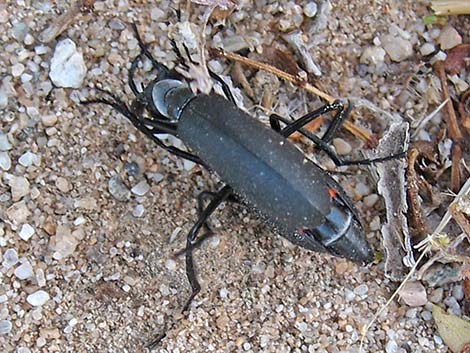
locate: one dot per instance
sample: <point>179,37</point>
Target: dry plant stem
<point>455,171</point>
<point>452,126</point>
<point>296,80</point>
<point>450,7</point>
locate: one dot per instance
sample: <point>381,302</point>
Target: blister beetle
<point>260,166</point>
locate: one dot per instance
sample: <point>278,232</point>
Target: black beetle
<point>260,166</point>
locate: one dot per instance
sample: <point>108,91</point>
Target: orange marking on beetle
<point>332,192</point>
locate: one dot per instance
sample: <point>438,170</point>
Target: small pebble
<point>132,168</point>
<point>436,295</point>
<point>5,161</point>
<point>24,271</point>
<point>138,211</point>
<point>426,315</point>
<point>141,188</point>
<point>341,146</point>
<point>118,189</point>
<point>5,145</point>
<point>10,258</point>
<point>170,264</point>
<point>391,346</point>
<point>361,289</point>
<point>310,9</point>
<point>26,232</point>
<point>67,66</point>
<point>40,277</point>
<point>397,47</point>
<point>371,200</point>
<point>17,70</point>
<point>413,294</point>
<point>458,292</point>
<point>62,184</point>
<point>5,327</point>
<point>19,31</point>
<point>349,295</point>
<point>427,48</point>
<point>223,293</point>
<point>49,120</point>
<point>454,306</point>
<point>156,13</point>
<point>27,159</point>
<point>19,187</point>
<point>373,55</point>
<point>449,38</point>
<point>361,190</point>
<point>38,298</point>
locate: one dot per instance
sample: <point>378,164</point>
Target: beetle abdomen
<point>270,173</point>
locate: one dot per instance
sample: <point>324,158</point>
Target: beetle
<point>260,166</point>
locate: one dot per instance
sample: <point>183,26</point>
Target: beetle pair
<point>259,165</point>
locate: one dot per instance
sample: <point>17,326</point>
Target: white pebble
<point>141,188</point>
<point>362,189</point>
<point>349,295</point>
<point>170,264</point>
<point>310,9</point>
<point>138,211</point>
<point>79,221</point>
<point>361,289</point>
<point>10,258</point>
<point>49,120</point>
<point>5,327</point>
<point>156,13</point>
<point>5,161</point>
<point>391,346</point>
<point>26,232</point>
<point>19,187</point>
<point>27,159</point>
<point>40,278</point>
<point>5,145</point>
<point>188,165</point>
<point>17,70</point>
<point>24,271</point>
<point>67,66</point>
<point>397,47</point>
<point>223,293</point>
<point>373,55</point>
<point>370,200</point>
<point>427,48</point>
<point>38,298</point>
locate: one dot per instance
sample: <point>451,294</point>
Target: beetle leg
<point>294,126</point>
<point>338,160</point>
<point>218,198</point>
<point>162,69</point>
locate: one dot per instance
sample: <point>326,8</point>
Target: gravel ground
<point>93,211</point>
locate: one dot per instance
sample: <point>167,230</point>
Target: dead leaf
<point>454,331</point>
<point>457,59</point>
